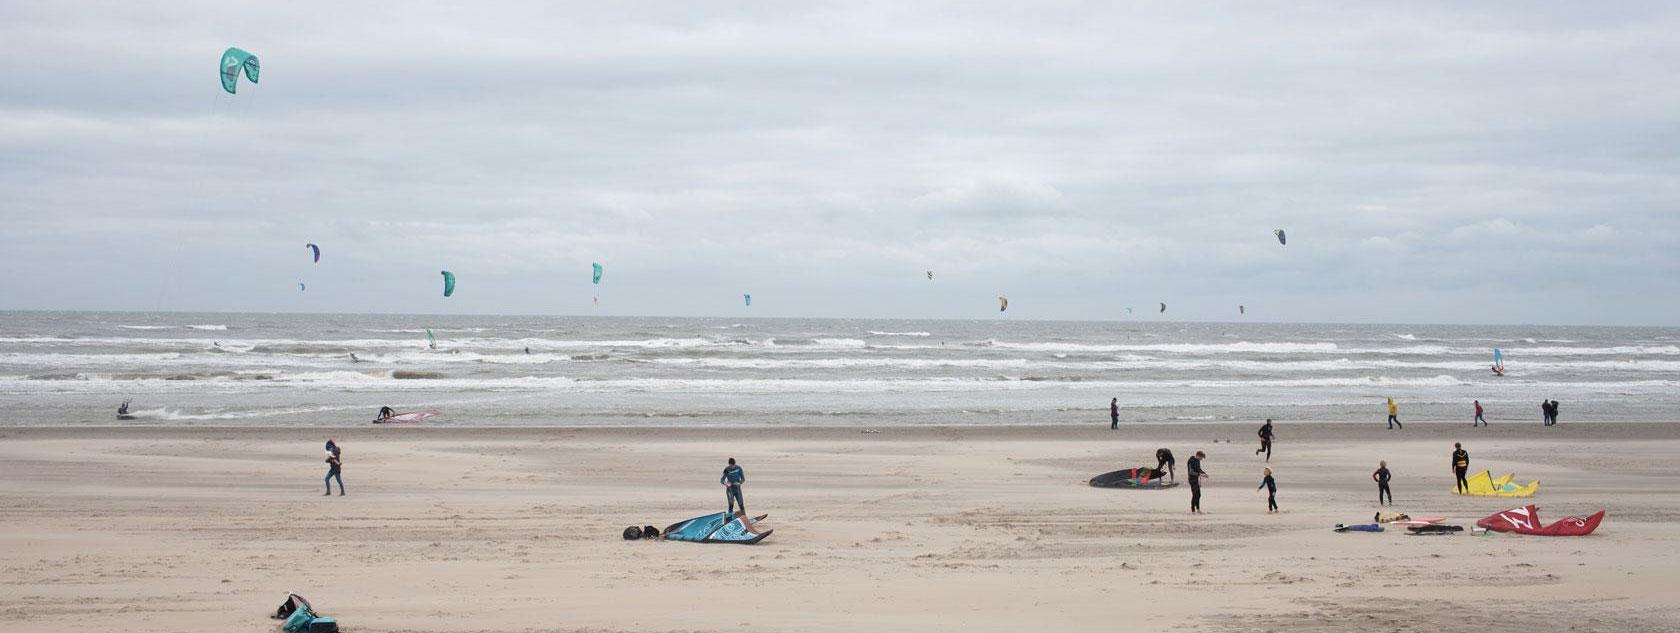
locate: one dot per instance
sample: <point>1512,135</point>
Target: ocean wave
<point>208,327</point>
<point>1243,347</point>
<point>880,333</point>
<point>147,327</point>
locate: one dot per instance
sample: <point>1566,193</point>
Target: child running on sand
<point>1271,491</point>
<point>1266,440</point>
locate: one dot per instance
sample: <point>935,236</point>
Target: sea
<point>277,370</point>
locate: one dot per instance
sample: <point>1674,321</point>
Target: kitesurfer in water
<point>1113,414</point>
<point>1271,491</point>
<point>1265,440</point>
<point>385,413</point>
<point>732,479</point>
<point>1164,458</point>
<point>1460,466</point>
<point>1394,416</point>
<point>334,464</point>
<point>123,410</point>
<point>1478,417</point>
<point>1196,475</point>
<point>1381,477</point>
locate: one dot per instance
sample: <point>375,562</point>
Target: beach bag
<point>299,621</point>
<point>324,625</point>
<point>649,531</point>
<point>292,603</point>
<point>632,533</point>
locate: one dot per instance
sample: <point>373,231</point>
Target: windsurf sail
<point>722,527</point>
<point>316,249</point>
<point>596,277</point>
<point>431,341</point>
<point>1526,520</point>
<point>1498,362</point>
<point>448,283</point>
<point>235,61</point>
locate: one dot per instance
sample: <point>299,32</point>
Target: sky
<point>1450,162</point>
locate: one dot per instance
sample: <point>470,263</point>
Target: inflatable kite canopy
<point>1140,477</point>
<point>1526,520</point>
<point>1483,484</point>
<point>716,528</point>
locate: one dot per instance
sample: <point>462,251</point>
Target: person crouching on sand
<point>334,464</point>
<point>1164,458</point>
<point>1271,491</point>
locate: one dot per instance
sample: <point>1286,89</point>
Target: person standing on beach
<point>1460,466</point>
<point>1196,475</point>
<point>1478,417</point>
<point>334,464</point>
<point>1271,491</point>
<point>1266,440</point>
<point>1114,414</point>
<point>732,479</point>
<point>1545,413</point>
<point>1394,416</point>
<point>1381,477</point>
<point>1164,457</point>
<point>1554,413</point>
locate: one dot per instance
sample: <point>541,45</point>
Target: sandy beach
<point>927,529</point>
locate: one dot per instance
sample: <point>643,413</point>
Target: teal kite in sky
<point>748,299</point>
<point>448,283</point>
<point>233,61</point>
<point>597,266</point>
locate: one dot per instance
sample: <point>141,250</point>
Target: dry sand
<point>937,529</point>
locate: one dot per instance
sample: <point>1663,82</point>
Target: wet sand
<point>935,529</point>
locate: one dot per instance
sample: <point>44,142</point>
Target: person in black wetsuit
<point>123,410</point>
<point>1271,491</point>
<point>1554,413</point>
<point>385,413</point>
<point>1196,475</point>
<point>1164,458</point>
<point>1460,465</point>
<point>1114,414</point>
<point>1381,477</point>
<point>1266,440</point>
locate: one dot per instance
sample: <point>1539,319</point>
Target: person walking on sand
<point>1266,440</point>
<point>1196,475</point>
<point>334,464</point>
<point>1460,466</point>
<point>1114,414</point>
<point>1271,491</point>
<point>1394,416</point>
<point>1164,457</point>
<point>732,479</point>
<point>1381,477</point>
<point>1478,417</point>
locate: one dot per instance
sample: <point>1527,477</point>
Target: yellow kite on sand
<point>1483,484</point>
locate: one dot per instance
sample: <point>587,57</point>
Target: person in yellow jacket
<point>1394,415</point>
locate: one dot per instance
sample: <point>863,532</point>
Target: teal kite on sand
<point>234,60</point>
<point>448,283</point>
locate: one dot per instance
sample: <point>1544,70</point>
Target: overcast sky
<point>1431,162</point>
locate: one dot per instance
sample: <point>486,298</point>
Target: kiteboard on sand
<point>1142,477</point>
<point>407,418</point>
<point>1433,529</point>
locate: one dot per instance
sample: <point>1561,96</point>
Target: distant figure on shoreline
<point>1554,412</point>
<point>1266,440</point>
<point>1460,466</point>
<point>1271,491</point>
<point>1196,474</point>
<point>1381,476</point>
<point>1113,414</point>
<point>732,479</point>
<point>1164,457</point>
<point>1394,416</point>
<point>1545,413</point>
<point>1478,417</point>
<point>334,464</point>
